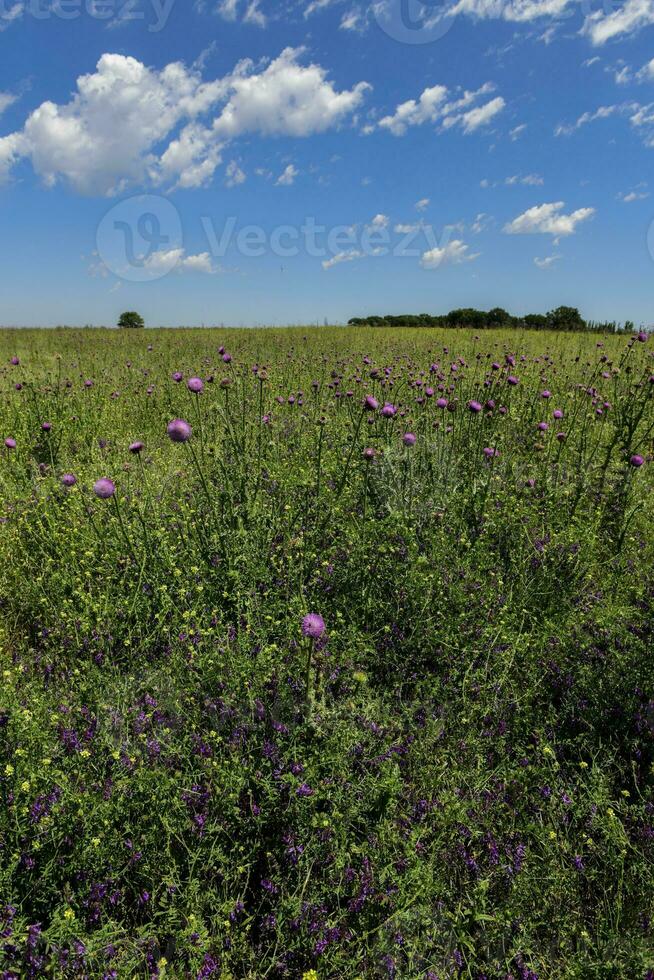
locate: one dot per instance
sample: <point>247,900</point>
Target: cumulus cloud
<point>453,253</point>
<point>234,175</point>
<point>249,11</point>
<point>129,125</point>
<point>428,108</point>
<point>287,178</point>
<point>349,256</point>
<point>528,180</point>
<point>285,99</point>
<point>548,219</point>
<point>435,106</point>
<point>11,13</point>
<point>518,11</point>
<point>422,204</point>
<point>624,75</point>
<point>6,100</point>
<point>601,26</point>
<point>638,194</point>
<point>177,259</point>
<point>379,222</point>
<point>640,117</point>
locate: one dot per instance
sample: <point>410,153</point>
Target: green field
<point>454,779</point>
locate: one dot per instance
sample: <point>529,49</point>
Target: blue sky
<point>250,161</point>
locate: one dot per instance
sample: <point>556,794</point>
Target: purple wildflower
<point>179,430</point>
<point>313,626</point>
<point>104,489</point>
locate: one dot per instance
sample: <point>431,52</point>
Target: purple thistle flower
<point>10,443</point>
<point>136,448</point>
<point>179,430</point>
<point>512,380</point>
<point>177,377</point>
<point>489,452</point>
<point>69,480</point>
<point>388,411</point>
<point>196,385</point>
<point>313,626</point>
<point>371,403</point>
<point>15,361</point>
<point>474,407</point>
<point>543,426</point>
<point>441,402</point>
<point>104,489</point>
<point>409,439</point>
<point>227,358</point>
<point>546,394</point>
<point>636,460</point>
<point>46,426</point>
<point>369,454</point>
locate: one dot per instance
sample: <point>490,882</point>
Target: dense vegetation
<point>353,680</point>
<point>566,318</point>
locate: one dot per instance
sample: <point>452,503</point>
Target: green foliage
<point>470,792</point>
<point>131,320</point>
<point>566,318</point>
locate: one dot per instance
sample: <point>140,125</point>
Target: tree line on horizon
<point>562,318</point>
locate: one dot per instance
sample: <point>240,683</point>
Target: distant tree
<point>497,317</point>
<point>131,320</point>
<point>566,318</point>
<point>536,321</point>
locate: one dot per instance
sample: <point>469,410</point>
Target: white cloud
<point>454,253</point>
<point>288,177</point>
<point>601,27</point>
<point>317,5</point>
<point>481,223</point>
<point>548,219</point>
<point>11,14</point>
<point>353,20</point>
<point>529,180</point>
<point>380,221</point>
<point>547,262</point>
<point>637,194</point>
<point>428,108</point>
<point>625,76</point>
<point>234,175</point>
<point>285,99</point>
<point>249,11</point>
<point>422,204</point>
<point>407,229</point>
<point>129,125</point>
<point>6,100</point>
<point>641,118</point>
<point>604,112</point>
<point>12,148</point>
<point>481,116</point>
<point>517,131</point>
<point>167,260</point>
<point>348,256</point>
<point>519,11</point>
<point>433,107</point>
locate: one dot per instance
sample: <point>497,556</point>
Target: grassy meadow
<point>348,673</point>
